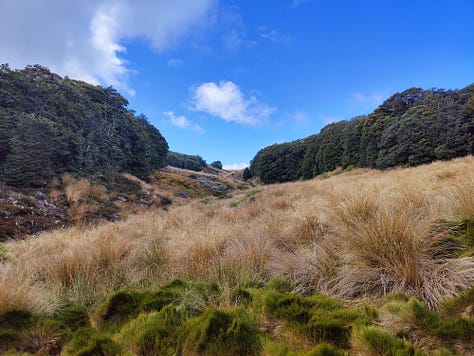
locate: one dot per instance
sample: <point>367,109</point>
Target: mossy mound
<point>89,342</point>
<point>74,317</point>
<point>126,305</point>
<point>325,349</point>
<point>379,341</point>
<point>156,333</point>
<point>17,319</point>
<point>223,332</point>
<point>320,318</point>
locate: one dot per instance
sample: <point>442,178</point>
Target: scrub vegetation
<point>356,261</point>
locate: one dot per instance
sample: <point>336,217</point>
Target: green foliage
<point>320,318</point>
<point>89,342</point>
<point>247,174</point>
<point>157,333</point>
<point>219,332</point>
<point>381,342</point>
<point>180,160</point>
<point>216,164</point>
<point>74,317</point>
<point>449,328</point>
<point>50,125</point>
<point>410,128</point>
<point>325,349</point>
<point>17,319</point>
<point>459,305</point>
<point>126,305</point>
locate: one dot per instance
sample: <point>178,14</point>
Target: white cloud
<point>375,98</point>
<point>183,123</point>
<point>296,3</point>
<point>235,166</point>
<point>300,117</point>
<point>227,102</point>
<point>85,39</point>
<point>175,62</point>
<point>272,35</point>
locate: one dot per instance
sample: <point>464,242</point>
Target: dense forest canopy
<point>410,128</point>
<point>181,160</point>
<point>50,125</point>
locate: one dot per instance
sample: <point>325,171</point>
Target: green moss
<point>9,339</point>
<point>421,316</point>
<point>241,296</point>
<point>16,319</point>
<point>456,329</point>
<point>380,342</point>
<point>89,342</point>
<point>325,326</point>
<point>156,333</point>
<point>74,317</point>
<point>325,349</point>
<point>120,307</point>
<point>278,285</point>
<point>458,305</point>
<point>296,308</point>
<point>219,332</point>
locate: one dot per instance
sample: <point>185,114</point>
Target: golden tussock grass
<point>358,234</point>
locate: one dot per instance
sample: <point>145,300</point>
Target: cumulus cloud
<point>235,166</point>
<point>183,123</point>
<point>86,39</point>
<point>226,101</point>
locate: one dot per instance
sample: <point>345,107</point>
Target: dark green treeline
<point>50,125</point>
<point>410,128</point>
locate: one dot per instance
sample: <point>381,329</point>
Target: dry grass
<point>361,233</point>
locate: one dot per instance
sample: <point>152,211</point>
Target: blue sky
<point>223,79</point>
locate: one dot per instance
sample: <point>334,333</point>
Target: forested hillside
<point>410,128</point>
<point>50,125</point>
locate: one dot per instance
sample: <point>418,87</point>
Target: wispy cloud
<point>175,62</point>
<point>272,35</point>
<point>299,117</point>
<point>183,123</point>
<point>375,98</point>
<point>225,101</point>
<point>296,3</point>
<point>235,166</point>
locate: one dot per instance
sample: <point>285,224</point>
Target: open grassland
<point>395,249</point>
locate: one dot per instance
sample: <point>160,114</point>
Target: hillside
<point>356,262</point>
<point>51,125</point>
<point>410,128</point>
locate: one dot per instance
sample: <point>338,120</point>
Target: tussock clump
<point>362,233</point>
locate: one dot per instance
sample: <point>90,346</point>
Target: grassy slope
<point>357,236</point>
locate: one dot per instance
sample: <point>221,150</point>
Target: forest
<point>50,125</point>
<point>410,128</point>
